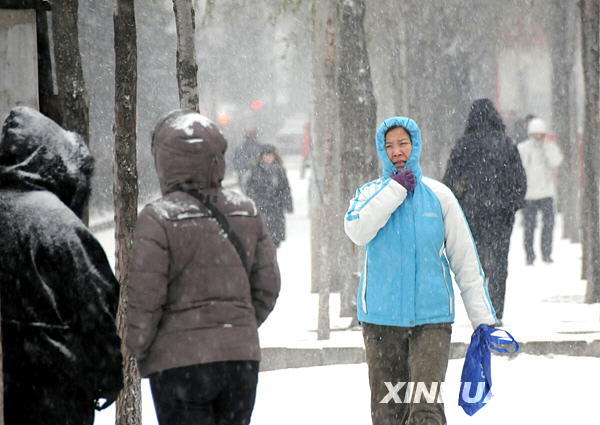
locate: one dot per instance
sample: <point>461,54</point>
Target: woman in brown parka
<point>203,277</point>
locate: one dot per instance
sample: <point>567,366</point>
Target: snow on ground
<point>544,302</point>
<point>527,390</point>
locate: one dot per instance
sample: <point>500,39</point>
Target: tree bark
<point>72,95</point>
<point>563,58</point>
<point>325,119</point>
<point>590,27</point>
<point>187,68</point>
<point>357,120</point>
<point>125,192</point>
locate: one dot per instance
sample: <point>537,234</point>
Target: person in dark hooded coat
<point>486,175</point>
<point>59,296</point>
<point>197,294</point>
<point>245,155</point>
<point>269,188</point>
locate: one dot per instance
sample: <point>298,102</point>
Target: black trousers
<point>546,206</point>
<point>492,238</point>
<point>397,355</point>
<point>219,393</point>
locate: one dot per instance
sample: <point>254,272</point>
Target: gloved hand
<point>406,178</point>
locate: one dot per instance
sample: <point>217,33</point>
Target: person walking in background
<point>541,156</point>
<point>520,128</point>
<point>269,188</point>
<point>306,148</point>
<point>61,351</point>
<point>245,154</point>
<point>203,278</point>
<point>414,232</point>
<point>487,177</point>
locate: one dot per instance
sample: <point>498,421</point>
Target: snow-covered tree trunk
<point>72,94</point>
<point>129,411</point>
<point>358,162</point>
<point>187,68</point>
<point>325,119</point>
<point>590,27</point>
<point>563,58</point>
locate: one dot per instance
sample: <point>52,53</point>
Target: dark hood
<point>189,151</point>
<point>37,154</point>
<point>483,116</point>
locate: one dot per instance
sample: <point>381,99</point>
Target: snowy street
<point>544,302</point>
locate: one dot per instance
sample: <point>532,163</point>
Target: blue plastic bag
<point>476,378</point>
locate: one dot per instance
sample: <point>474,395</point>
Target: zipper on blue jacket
<point>364,288</point>
<point>441,253</point>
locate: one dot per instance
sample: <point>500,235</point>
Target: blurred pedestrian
<point>414,232</point>
<point>541,157</point>
<point>245,155</point>
<point>306,149</point>
<point>61,351</point>
<point>203,278</point>
<point>269,188</point>
<point>520,128</point>
<point>486,175</point>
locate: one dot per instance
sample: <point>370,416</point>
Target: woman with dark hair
<point>414,232</point>
<point>486,175</point>
<point>269,188</point>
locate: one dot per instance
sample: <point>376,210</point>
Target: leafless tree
<point>590,27</point>
<point>357,120</point>
<point>187,68</point>
<point>325,119</point>
<point>562,54</point>
<point>72,94</point>
<point>125,191</point>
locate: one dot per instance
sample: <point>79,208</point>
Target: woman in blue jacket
<point>414,232</point>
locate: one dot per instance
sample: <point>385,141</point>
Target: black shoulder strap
<point>224,223</point>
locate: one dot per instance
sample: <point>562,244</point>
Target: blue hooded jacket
<point>412,241</point>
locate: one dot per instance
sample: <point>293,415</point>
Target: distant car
<point>289,137</point>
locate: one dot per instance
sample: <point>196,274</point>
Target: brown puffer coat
<point>190,299</point>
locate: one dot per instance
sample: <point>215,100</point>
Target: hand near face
<point>406,178</point>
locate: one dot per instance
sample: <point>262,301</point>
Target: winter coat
<point>540,159</point>
<point>191,299</point>
<point>484,170</point>
<point>245,154</point>
<point>268,187</point>
<point>411,241</point>
<point>59,296</point>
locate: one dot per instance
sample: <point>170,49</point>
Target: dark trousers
<point>219,393</point>
<point>492,238</point>
<point>416,355</point>
<point>546,206</point>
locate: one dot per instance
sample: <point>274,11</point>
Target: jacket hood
<point>37,154</point>
<point>189,151</point>
<point>415,136</point>
<point>483,116</point>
